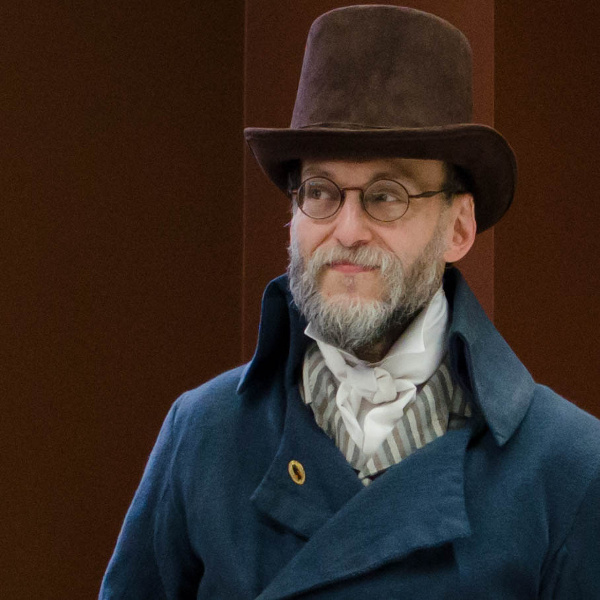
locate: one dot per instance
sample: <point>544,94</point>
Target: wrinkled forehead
<point>410,170</point>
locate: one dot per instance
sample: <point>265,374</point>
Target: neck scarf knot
<point>371,398</point>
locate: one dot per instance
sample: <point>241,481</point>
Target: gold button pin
<point>296,471</point>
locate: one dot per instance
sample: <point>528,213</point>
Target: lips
<point>350,267</point>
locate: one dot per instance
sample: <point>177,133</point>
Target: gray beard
<point>354,324</point>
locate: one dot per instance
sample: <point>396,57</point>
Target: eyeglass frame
<point>342,193</point>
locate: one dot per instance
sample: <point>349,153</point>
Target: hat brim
<point>479,149</point>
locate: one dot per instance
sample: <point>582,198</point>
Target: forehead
<point>404,169</point>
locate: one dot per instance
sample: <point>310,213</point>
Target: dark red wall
<point>134,252</point>
<point>547,284</point>
<point>121,177</point>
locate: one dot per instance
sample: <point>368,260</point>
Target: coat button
<point>296,471</point>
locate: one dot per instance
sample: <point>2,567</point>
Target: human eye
<point>318,198</point>
<point>319,190</point>
<point>386,200</point>
<point>385,192</point>
<point>383,198</point>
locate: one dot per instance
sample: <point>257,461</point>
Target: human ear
<point>461,229</point>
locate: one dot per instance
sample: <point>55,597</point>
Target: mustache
<point>364,256</point>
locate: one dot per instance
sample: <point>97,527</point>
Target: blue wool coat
<point>505,508</point>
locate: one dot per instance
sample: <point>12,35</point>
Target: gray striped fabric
<point>439,405</point>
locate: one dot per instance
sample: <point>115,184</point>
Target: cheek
<point>402,244</point>
<point>307,236</point>
<point>409,240</point>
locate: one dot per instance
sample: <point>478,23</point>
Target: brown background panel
<point>548,248</point>
<point>121,177</point>
<point>121,233</point>
<point>275,39</point>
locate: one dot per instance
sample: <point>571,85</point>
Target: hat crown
<point>380,67</point>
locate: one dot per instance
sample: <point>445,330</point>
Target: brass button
<point>296,471</point>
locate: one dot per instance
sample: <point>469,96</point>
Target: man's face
<point>359,270</point>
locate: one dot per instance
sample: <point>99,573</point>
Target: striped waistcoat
<point>438,406</point>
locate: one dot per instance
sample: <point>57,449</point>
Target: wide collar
<point>281,340</point>
<point>347,528</point>
<point>481,360</point>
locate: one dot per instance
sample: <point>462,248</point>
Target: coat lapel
<point>330,481</point>
<point>419,503</point>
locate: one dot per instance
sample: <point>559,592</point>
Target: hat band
<point>343,125</point>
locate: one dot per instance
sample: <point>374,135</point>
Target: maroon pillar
<point>548,247</point>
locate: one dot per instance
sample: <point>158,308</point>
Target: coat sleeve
<point>153,557</point>
<point>575,574</point>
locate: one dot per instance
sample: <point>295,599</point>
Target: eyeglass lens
<point>384,200</point>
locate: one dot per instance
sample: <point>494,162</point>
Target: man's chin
<point>365,285</point>
<point>341,299</point>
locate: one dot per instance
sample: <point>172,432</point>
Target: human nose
<point>352,223</point>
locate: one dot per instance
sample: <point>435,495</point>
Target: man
<point>384,441</point>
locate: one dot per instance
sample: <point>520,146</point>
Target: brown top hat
<point>380,81</point>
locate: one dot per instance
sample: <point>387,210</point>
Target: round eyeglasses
<point>384,200</point>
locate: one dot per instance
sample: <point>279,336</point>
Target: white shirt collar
<point>371,397</point>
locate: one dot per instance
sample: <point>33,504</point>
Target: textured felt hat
<point>388,81</point>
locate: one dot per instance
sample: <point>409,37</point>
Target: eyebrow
<point>404,179</point>
<point>315,172</point>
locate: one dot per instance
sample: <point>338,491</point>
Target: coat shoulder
<point>563,424</point>
<point>570,438</point>
<point>218,417</point>
<point>215,399</point>
<point>563,439</point>
<point>560,443</point>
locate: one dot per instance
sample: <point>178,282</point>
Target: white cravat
<point>371,398</point>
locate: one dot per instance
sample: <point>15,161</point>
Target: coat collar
<point>482,361</point>
<point>377,524</point>
<point>281,339</point>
